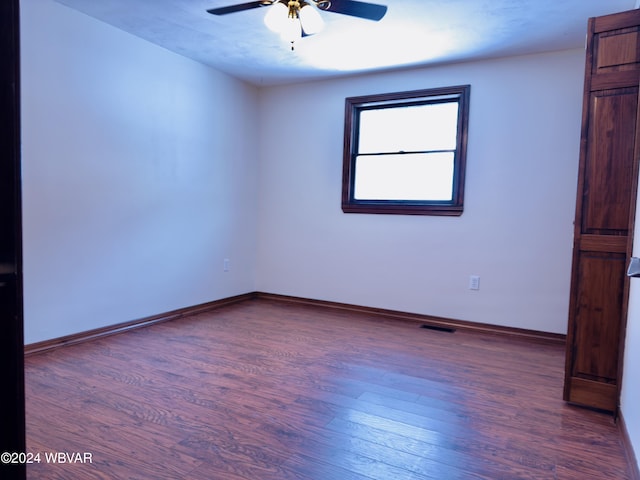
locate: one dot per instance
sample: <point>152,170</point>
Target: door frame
<point>12,404</point>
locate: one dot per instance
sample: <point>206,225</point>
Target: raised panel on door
<point>617,50</point>
<point>598,316</point>
<point>609,161</point>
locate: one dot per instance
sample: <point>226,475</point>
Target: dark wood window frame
<point>353,107</point>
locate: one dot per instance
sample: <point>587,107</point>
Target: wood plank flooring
<point>265,390</point>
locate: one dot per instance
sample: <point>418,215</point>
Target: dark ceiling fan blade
<point>240,7</point>
<point>370,11</point>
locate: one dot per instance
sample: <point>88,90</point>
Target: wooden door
<point>605,211</point>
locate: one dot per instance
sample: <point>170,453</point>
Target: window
<point>404,153</point>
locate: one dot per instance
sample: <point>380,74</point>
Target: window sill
<point>409,209</point>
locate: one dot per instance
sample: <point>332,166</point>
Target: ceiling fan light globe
<point>292,30</point>
<point>277,17</point>
<point>311,20</point>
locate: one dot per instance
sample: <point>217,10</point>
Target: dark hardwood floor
<point>266,390</point>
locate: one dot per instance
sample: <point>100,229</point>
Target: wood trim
<point>614,21</point>
<point>94,334</point>
<point>603,243</point>
<point>593,394</point>
<point>632,460</point>
<point>409,209</point>
<point>428,319</point>
<point>608,81</point>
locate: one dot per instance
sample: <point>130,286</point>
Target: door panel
<point>617,50</point>
<point>597,324</point>
<point>607,193</point>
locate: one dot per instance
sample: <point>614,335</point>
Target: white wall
<point>630,395</point>
<point>517,228</point>
<point>138,176</point>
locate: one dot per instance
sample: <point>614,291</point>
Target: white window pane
<point>409,129</point>
<point>426,176</point>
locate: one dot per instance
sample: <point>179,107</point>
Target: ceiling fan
<point>294,19</point>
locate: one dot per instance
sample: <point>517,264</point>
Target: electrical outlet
<point>474,282</point>
<point>225,265</point>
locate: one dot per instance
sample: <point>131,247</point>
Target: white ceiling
<point>413,32</point>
